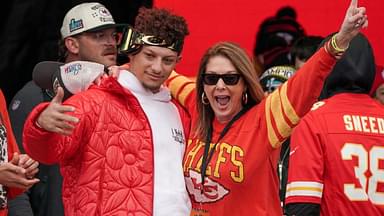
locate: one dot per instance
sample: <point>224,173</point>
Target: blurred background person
<point>303,48</point>
<point>272,78</point>
<point>274,39</point>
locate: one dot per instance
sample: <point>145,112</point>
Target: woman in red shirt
<point>236,173</point>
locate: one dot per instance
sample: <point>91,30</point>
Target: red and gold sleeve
<point>182,89</point>
<point>291,101</point>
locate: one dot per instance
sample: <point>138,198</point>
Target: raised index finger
<point>353,3</point>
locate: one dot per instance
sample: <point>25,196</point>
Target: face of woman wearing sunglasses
<point>223,87</point>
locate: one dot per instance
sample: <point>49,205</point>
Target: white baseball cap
<point>74,76</point>
<point>86,17</point>
<point>77,76</point>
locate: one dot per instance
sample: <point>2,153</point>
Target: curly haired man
<point>120,144</point>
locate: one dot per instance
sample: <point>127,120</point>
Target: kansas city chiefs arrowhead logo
<point>212,192</point>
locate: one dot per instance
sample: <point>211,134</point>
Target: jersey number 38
<point>367,171</point>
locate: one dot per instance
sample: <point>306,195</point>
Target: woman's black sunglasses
<point>229,79</point>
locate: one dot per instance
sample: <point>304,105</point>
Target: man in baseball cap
<point>86,17</point>
<point>120,144</point>
<point>88,33</point>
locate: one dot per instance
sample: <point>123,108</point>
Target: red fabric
<point>241,177</point>
<point>216,20</point>
<point>12,145</point>
<point>102,175</point>
<point>337,150</point>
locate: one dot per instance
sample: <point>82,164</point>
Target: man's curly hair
<point>161,23</point>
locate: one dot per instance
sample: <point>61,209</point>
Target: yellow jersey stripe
<point>317,189</point>
<point>273,140</point>
<point>182,96</point>
<point>180,87</point>
<point>287,106</point>
<point>276,107</point>
<point>304,188</point>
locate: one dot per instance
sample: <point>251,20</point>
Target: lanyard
<point>207,156</point>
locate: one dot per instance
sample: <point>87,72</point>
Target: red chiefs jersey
<point>241,176</point>
<point>337,157</point>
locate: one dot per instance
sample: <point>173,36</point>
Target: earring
<point>204,99</point>
<point>245,98</point>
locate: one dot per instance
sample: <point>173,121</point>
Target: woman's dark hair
<point>305,47</point>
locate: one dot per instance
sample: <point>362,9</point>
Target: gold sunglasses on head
<point>132,40</point>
